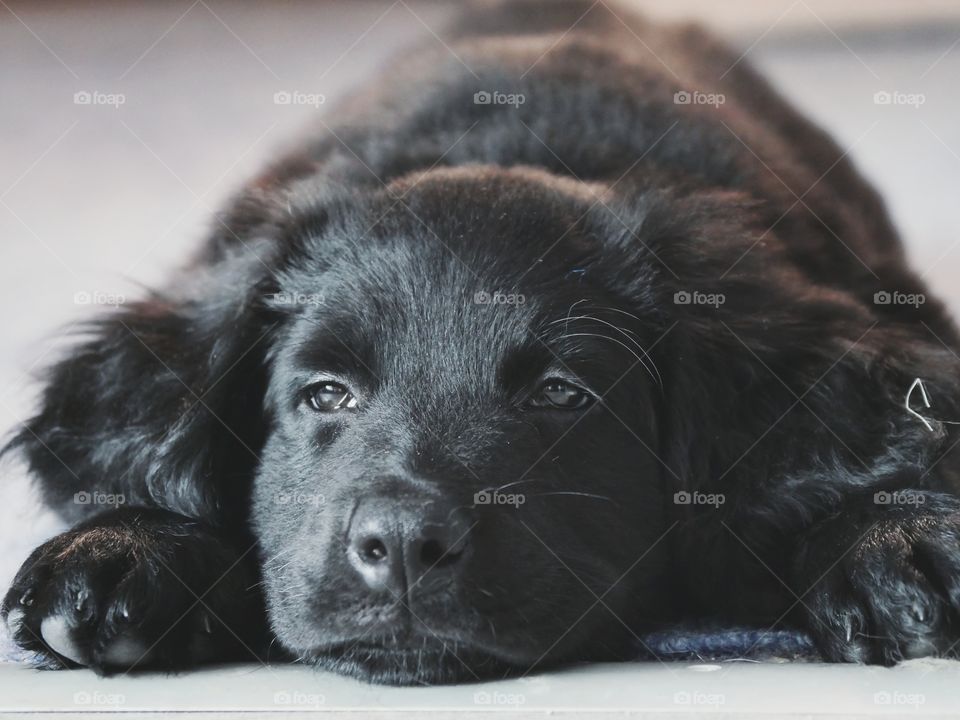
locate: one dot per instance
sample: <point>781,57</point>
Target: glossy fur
<point>586,210</point>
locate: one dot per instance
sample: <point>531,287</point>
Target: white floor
<point>99,199</point>
<point>920,689</point>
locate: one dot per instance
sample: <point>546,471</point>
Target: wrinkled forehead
<point>457,277</point>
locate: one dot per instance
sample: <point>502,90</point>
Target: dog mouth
<point>416,660</point>
<point>394,649</point>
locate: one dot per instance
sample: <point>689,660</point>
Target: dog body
<point>549,337</point>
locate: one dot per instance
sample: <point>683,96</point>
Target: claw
<point>918,612</point>
<point>848,628</point>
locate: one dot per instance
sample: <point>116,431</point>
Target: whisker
<point>606,308</point>
<point>626,333</point>
<point>624,346</point>
<point>566,328</point>
<point>570,492</point>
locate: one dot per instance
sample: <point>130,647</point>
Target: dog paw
<point>131,590</point>
<point>884,586</point>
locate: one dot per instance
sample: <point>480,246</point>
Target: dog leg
<point>135,588</point>
<point>881,583</point>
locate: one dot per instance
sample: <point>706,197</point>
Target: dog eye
<point>555,393</point>
<point>329,396</point>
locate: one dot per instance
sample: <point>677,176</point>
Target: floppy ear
<point>783,390</point>
<point>162,402</point>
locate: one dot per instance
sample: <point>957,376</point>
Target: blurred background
<point>124,125</point>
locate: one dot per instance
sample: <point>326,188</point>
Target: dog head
<point>460,472</point>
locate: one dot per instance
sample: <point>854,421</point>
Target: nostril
<point>434,554</point>
<point>373,551</point>
<point>394,543</point>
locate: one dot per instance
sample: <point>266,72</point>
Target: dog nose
<point>398,544</point>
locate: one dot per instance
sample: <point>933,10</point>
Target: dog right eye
<point>330,396</point>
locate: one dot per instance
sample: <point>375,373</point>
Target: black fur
<point>590,206</point>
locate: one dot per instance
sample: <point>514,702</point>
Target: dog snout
<point>396,544</point>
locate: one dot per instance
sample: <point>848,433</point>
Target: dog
<point>567,329</point>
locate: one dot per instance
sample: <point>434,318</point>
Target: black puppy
<point>551,337</point>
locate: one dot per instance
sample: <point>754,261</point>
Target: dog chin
<point>425,661</point>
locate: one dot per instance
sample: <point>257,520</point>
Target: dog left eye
<point>555,393</point>
<point>330,396</point>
